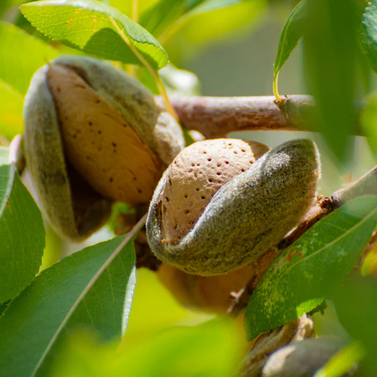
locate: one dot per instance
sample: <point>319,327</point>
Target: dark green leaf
<point>330,51</point>
<point>368,36</point>
<point>22,232</point>
<point>19,63</point>
<point>86,26</point>
<point>3,306</point>
<point>80,291</point>
<point>356,305</point>
<point>290,35</point>
<point>308,271</point>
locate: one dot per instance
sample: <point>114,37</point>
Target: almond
<point>102,146</point>
<point>247,216</point>
<point>194,178</point>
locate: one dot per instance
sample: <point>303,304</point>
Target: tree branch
<point>367,184</point>
<point>217,116</point>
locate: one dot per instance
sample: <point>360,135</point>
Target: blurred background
<point>230,51</point>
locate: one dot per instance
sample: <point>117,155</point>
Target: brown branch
<point>365,185</point>
<point>218,116</point>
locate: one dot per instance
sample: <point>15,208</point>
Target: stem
<point>275,88</point>
<point>146,64</point>
<point>135,10</point>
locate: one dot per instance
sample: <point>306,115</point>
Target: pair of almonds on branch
<point>94,135</point>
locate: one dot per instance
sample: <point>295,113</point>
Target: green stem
<point>275,87</point>
<point>152,71</point>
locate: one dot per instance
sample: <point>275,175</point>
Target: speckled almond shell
<point>64,201</point>
<point>135,103</point>
<point>195,176</point>
<point>247,216</point>
<point>73,208</point>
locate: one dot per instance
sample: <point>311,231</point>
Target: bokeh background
<point>231,52</point>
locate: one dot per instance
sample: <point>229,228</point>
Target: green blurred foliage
<point>203,351</point>
<point>356,305</point>
<point>238,40</point>
<point>330,51</point>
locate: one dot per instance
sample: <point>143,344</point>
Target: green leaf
<point>290,35</point>
<point>330,52</point>
<point>368,120</point>
<point>305,273</point>
<point>368,35</point>
<point>343,361</point>
<point>207,350</point>
<point>92,289</point>
<point>20,56</point>
<point>22,232</point>
<point>12,102</point>
<point>86,26</point>
<point>356,306</point>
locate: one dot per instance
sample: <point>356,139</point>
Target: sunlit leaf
<point>290,35</point>
<point>11,101</point>
<point>81,291</point>
<point>86,25</point>
<point>20,56</point>
<point>208,350</point>
<point>308,271</point>
<point>22,233</point>
<point>369,120</point>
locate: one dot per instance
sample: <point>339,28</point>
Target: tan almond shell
<point>195,176</point>
<point>74,214</point>
<point>248,216</point>
<point>102,146</point>
<point>134,102</point>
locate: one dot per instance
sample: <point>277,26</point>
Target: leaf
<point>290,35</point>
<point>304,274</point>
<point>368,35</point>
<point>330,52</point>
<point>202,350</point>
<point>342,362</point>
<point>86,26</point>
<point>92,289</point>
<point>22,232</point>
<point>368,119</point>
<point>19,63</point>
<point>356,306</point>
<point>12,102</point>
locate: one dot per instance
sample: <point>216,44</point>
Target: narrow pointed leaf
<point>22,232</point>
<point>93,289</point>
<point>310,269</point>
<point>368,37</point>
<point>331,52</point>
<point>290,35</point>
<point>86,26</point>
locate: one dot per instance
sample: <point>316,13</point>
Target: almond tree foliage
<point>65,313</point>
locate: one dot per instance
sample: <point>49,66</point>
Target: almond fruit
<point>194,178</point>
<point>88,121</point>
<point>247,216</point>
